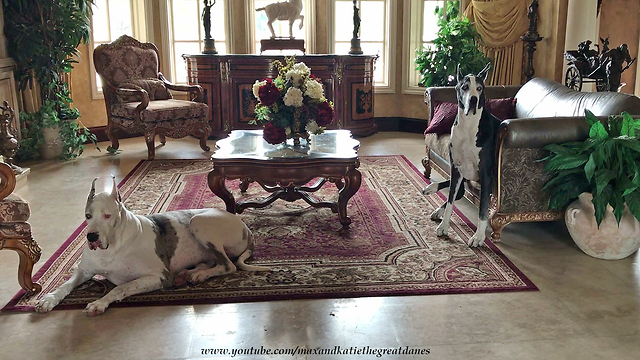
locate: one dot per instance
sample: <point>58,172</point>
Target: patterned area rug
<point>390,249</point>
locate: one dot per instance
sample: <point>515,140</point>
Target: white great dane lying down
<point>144,253</point>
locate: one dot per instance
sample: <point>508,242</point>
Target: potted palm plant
<point>43,37</point>
<point>598,182</point>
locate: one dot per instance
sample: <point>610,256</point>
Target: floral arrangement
<point>292,105</point>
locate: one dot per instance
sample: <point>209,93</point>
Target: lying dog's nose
<point>92,236</point>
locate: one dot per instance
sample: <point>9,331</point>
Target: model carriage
<point>587,65</point>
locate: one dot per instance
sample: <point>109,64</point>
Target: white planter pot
<point>610,241</point>
<point>52,146</point>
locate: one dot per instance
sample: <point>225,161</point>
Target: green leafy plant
<point>452,10</point>
<point>607,165</point>
<point>43,38</point>
<point>456,43</point>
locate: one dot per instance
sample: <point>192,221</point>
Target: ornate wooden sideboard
<point>228,80</point>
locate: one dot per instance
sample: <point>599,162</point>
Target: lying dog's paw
<point>476,240</point>
<point>437,214</point>
<point>442,229</point>
<point>430,189</point>
<point>46,304</point>
<point>97,307</point>
<point>182,278</point>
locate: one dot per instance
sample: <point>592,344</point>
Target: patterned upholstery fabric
<point>439,144</point>
<point>162,110</point>
<point>128,62</point>
<point>154,87</point>
<point>14,209</point>
<point>174,128</point>
<point>18,229</point>
<point>521,181</point>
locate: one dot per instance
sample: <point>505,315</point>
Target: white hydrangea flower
<point>314,89</point>
<point>295,76</point>
<point>256,87</point>
<point>312,127</point>
<point>302,68</point>
<point>293,97</point>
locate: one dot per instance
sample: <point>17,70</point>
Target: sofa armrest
<point>195,91</point>
<point>533,133</point>
<point>431,94</point>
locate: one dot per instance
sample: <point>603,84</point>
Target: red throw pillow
<point>444,114</point>
<point>503,109</point>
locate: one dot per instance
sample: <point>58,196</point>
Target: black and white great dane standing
<point>471,153</point>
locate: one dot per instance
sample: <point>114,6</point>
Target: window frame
<point>309,24</point>
<point>390,34</point>
<point>141,26</point>
<point>167,51</point>
<point>413,11</point>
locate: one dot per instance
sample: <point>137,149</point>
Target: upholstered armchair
<point>15,231</point>
<point>137,95</point>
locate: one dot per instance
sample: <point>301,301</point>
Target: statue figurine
<point>533,16</point>
<point>8,142</point>
<point>206,17</point>
<point>356,20</point>
<point>290,10</point>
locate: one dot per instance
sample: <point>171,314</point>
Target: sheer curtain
<point>500,24</point>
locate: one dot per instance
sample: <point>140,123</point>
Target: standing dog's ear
<point>483,74</point>
<point>114,190</point>
<point>92,193</point>
<point>458,75</point>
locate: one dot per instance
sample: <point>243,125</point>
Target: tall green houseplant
<point>456,43</point>
<point>43,38</point>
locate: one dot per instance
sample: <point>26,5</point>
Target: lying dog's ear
<point>114,190</point>
<point>483,74</point>
<point>458,75</point>
<point>92,193</point>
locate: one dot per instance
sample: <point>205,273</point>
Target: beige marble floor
<point>585,309</point>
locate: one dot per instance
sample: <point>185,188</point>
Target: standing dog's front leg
<point>51,300</point>
<point>137,286</point>
<point>486,185</point>
<point>456,182</point>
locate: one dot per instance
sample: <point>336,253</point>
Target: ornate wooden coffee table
<point>285,171</point>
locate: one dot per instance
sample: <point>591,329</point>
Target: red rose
<point>325,114</point>
<point>273,134</point>
<point>268,93</point>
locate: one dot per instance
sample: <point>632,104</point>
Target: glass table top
<point>249,144</point>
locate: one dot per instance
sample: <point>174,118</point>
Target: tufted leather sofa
<point>546,112</point>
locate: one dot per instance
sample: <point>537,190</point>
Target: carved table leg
<point>352,181</point>
<point>29,253</point>
<point>218,187</point>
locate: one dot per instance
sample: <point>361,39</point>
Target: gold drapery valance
<point>500,24</point>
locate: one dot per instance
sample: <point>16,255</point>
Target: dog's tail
<point>262,8</point>
<point>247,254</point>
